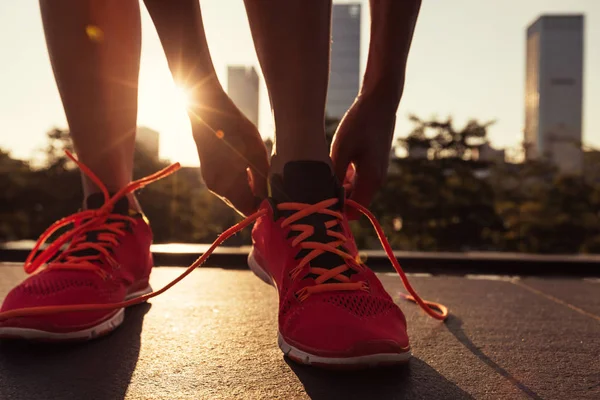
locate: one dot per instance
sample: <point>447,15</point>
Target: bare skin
<point>228,143</point>
<point>94,49</point>
<point>292,40</point>
<point>364,137</point>
<point>292,43</point>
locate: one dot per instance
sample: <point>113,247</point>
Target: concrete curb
<point>422,262</point>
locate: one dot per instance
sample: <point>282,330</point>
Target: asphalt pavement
<point>213,336</point>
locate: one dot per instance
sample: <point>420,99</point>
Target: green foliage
<point>442,208</point>
<point>448,200</point>
<point>445,199</point>
<point>443,141</point>
<point>179,207</point>
<point>14,181</point>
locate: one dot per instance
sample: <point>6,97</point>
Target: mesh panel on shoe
<point>284,287</point>
<point>287,306</point>
<point>362,305</point>
<point>45,287</point>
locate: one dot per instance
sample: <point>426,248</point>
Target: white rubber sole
<point>258,270</point>
<point>368,361</point>
<point>101,329</point>
<point>302,357</point>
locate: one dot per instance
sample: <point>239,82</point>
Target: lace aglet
<point>436,310</point>
<point>407,297</point>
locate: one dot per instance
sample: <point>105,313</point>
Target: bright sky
<point>467,60</point>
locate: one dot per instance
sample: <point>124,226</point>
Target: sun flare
<point>183,96</point>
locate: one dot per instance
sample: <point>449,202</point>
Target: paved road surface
<point>213,337</point>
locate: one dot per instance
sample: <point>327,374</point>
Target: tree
<point>446,201</point>
<point>443,141</point>
<point>441,209</point>
<point>441,202</point>
<point>14,177</point>
<point>179,207</point>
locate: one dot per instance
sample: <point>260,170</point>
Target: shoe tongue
<point>96,200</point>
<point>310,182</point>
<point>306,182</point>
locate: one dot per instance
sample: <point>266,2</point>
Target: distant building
<point>490,154</point>
<point>554,91</point>
<point>148,140</point>
<point>242,87</point>
<point>345,59</point>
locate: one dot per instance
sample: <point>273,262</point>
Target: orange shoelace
<point>108,225</point>
<point>435,310</point>
<point>317,248</point>
<point>324,274</point>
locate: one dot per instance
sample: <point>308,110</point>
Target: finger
<point>367,182</point>
<point>239,193</point>
<point>259,172</point>
<point>340,164</point>
<point>341,160</point>
<point>233,187</point>
<point>350,179</point>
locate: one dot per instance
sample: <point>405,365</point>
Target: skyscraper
<point>345,59</point>
<point>242,87</point>
<point>554,91</point>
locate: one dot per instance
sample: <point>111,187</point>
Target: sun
<point>183,96</point>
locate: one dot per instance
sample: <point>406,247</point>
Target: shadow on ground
<point>417,380</point>
<point>100,369</point>
<point>454,325</point>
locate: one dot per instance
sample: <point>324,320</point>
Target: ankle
<point>299,143</point>
<point>131,198</point>
<point>280,159</point>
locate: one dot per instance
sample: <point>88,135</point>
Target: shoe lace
<point>435,310</point>
<point>324,276</point>
<point>82,253</point>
